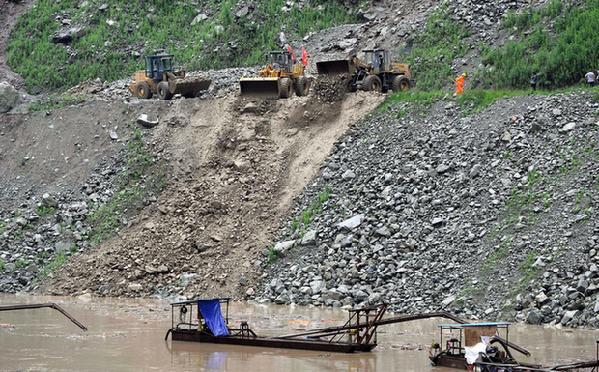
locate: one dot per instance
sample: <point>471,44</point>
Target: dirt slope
<point>235,175</point>
<point>55,152</point>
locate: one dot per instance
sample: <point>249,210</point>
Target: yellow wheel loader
<point>376,72</point>
<point>161,79</point>
<point>279,79</point>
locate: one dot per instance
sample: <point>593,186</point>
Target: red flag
<point>290,50</point>
<point>304,56</point>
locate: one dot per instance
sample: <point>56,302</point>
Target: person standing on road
<point>459,84</point>
<point>591,78</point>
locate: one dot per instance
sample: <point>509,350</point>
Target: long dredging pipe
<point>393,320</point>
<point>50,305</point>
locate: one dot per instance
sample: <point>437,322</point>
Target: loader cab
<point>280,60</point>
<point>378,59</point>
<point>157,65</point>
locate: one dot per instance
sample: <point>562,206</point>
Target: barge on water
<point>203,321</point>
<point>485,347</point>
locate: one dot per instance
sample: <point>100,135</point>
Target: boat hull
<point>314,345</point>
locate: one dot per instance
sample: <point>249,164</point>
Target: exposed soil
<point>56,151</point>
<point>235,176</point>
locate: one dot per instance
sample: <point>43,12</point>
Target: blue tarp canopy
<point>210,310</point>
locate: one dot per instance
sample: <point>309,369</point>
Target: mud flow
<point>128,335</point>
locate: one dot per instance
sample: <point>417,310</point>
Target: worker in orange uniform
<point>459,84</point>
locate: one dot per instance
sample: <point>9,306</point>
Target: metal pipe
<point>399,319</point>
<point>505,343</point>
<point>40,306</point>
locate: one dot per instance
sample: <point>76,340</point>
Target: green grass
<point>56,101</point>
<point>476,100</point>
<point>527,272</point>
<point>2,227</point>
<point>435,49</point>
<point>496,256</point>
<point>561,56</point>
<point>2,265</point>
<point>44,210</point>
<point>21,263</point>
<point>53,265</point>
<point>522,198</point>
<point>414,96</point>
<point>43,255</point>
<point>144,26</point>
<point>143,178</point>
<point>306,216</point>
<point>473,100</point>
<point>524,20</point>
<point>272,256</point>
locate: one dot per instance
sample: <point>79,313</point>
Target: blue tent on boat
<point>211,312</point>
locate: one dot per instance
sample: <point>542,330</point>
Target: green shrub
<point>44,210</point>
<point>434,50</point>
<point>272,256</point>
<point>561,57</point>
<point>53,265</point>
<point>21,263</point>
<point>307,215</point>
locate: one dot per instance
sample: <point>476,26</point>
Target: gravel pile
<point>224,83</point>
<point>330,88</point>
<point>488,216</point>
<point>53,225</point>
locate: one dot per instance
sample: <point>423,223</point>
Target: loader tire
<point>285,88</point>
<point>351,87</point>
<point>302,86</point>
<point>143,90</point>
<point>164,91</point>
<point>401,84</point>
<point>372,83</point>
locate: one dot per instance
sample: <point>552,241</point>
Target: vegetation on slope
<point>144,177</point>
<point>558,41</point>
<point>113,39</point>
<point>434,50</point>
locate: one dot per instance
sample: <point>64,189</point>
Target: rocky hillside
<point>490,215</point>
<point>484,208</point>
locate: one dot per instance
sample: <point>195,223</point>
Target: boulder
<point>9,97</point>
<point>282,247</point>
<point>68,35</point>
<point>145,122</point>
<point>534,316</point>
<point>351,223</point>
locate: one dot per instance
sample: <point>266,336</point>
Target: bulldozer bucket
<point>260,87</point>
<point>338,67</point>
<point>189,87</point>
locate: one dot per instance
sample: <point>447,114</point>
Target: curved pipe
<point>50,305</point>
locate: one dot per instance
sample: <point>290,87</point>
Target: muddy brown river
<point>128,335</point>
